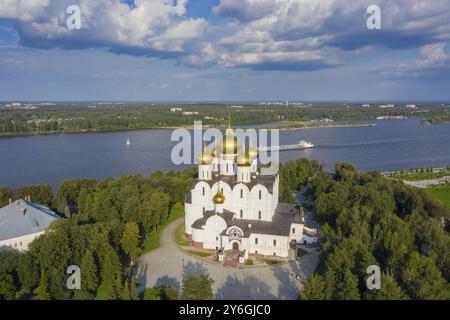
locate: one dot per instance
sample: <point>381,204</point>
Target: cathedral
<point>233,208</point>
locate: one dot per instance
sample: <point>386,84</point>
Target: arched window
<point>242,213</point>
<point>242,193</point>
<point>274,242</point>
<point>256,240</point>
<point>293,230</point>
<point>203,191</point>
<point>260,194</point>
<point>204,210</point>
<point>259,215</point>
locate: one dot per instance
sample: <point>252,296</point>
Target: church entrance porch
<point>231,258</point>
<point>235,246</point>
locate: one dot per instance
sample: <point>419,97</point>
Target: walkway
<point>168,264</point>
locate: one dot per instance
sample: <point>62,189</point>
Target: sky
<point>233,50</point>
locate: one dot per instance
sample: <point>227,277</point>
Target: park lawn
<point>301,253</point>
<point>271,262</point>
<point>442,193</point>
<point>152,243</point>
<point>200,254</point>
<point>421,175</point>
<point>179,237</point>
<point>249,262</point>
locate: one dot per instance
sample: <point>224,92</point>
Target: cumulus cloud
<point>155,27</point>
<point>323,33</point>
<point>433,61</point>
<point>258,34</point>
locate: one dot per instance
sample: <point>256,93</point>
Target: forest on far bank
<point>83,117</point>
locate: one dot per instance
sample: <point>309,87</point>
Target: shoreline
<point>190,127</point>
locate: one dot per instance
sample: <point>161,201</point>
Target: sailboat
<point>128,142</point>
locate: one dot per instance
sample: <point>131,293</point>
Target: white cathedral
<point>234,208</point>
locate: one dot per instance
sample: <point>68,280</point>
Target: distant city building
<point>177,109</point>
<point>366,106</point>
<point>387,106</point>
<point>235,107</point>
<point>22,221</point>
<point>411,106</point>
<point>190,113</point>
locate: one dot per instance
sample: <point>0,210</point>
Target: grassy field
<point>179,237</point>
<point>421,175</point>
<point>152,243</point>
<point>200,254</point>
<point>442,193</point>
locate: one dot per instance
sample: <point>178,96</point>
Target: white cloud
<point>433,61</point>
<point>326,31</point>
<point>157,25</point>
<point>260,34</point>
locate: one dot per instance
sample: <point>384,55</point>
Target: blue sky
<point>146,50</point>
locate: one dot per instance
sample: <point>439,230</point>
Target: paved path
<point>167,266</point>
<point>427,183</point>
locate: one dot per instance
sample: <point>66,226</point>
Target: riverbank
<point>300,126</point>
<point>309,125</point>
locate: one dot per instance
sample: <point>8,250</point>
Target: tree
<point>111,273</point>
<point>42,289</point>
<point>197,288</point>
<point>389,290</point>
<point>314,289</point>
<point>89,277</point>
<point>7,287</point>
<point>130,240</point>
<point>27,272</point>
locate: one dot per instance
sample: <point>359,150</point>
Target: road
<point>167,265</point>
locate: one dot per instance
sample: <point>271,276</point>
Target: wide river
<point>390,145</point>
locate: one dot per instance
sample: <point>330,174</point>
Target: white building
<point>23,221</point>
<point>234,210</point>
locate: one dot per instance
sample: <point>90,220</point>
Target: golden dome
<point>244,160</point>
<point>205,158</point>
<point>253,152</point>
<point>230,143</point>
<point>219,198</point>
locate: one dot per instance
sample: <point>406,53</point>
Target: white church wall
<point>265,245</point>
<point>198,235</point>
<point>263,203</point>
<point>213,228</point>
<point>296,232</point>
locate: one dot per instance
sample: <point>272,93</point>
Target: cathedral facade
<point>232,207</point>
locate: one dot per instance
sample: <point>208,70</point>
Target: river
<point>390,145</point>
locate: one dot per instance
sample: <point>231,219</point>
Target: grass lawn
<point>179,237</point>
<point>249,262</point>
<point>301,253</point>
<point>271,262</point>
<point>421,175</point>
<point>200,254</point>
<point>442,193</point>
<point>152,243</point>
